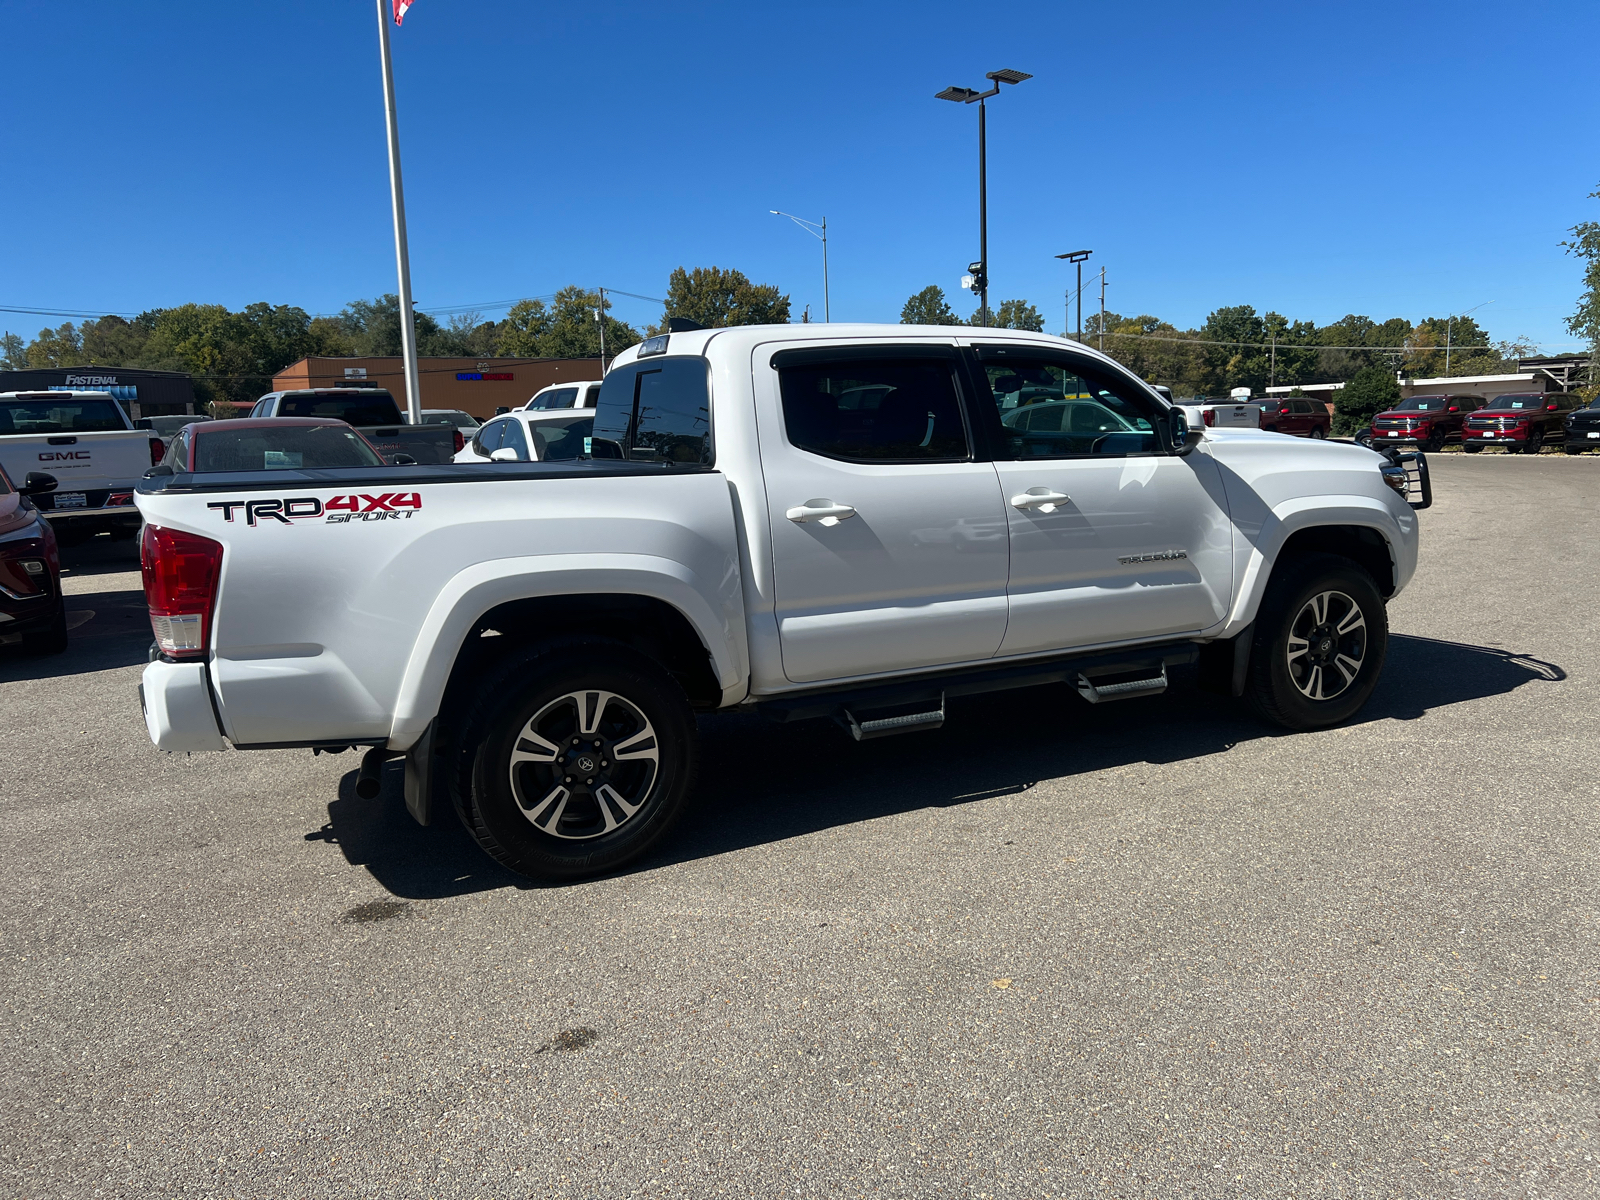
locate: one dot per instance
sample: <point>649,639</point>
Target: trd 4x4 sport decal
<point>337,510</point>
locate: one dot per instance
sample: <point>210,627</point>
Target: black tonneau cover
<point>371,477</point>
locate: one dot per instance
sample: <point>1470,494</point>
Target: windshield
<point>555,398</point>
<point>282,448</point>
<point>66,415</point>
<point>1423,404</point>
<point>451,417</point>
<point>374,408</point>
<point>1524,401</point>
<point>554,441</point>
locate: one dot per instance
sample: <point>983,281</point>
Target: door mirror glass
<point>37,483</point>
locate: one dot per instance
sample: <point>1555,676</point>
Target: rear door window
<point>515,439</point>
<point>657,410</point>
<point>487,440</point>
<point>889,409</point>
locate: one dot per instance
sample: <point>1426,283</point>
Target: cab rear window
<point>66,415</point>
<point>357,410</point>
<point>658,410</point>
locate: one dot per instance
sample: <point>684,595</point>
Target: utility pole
<point>1102,310</point>
<point>408,321</point>
<point>1272,372</point>
<point>600,315</point>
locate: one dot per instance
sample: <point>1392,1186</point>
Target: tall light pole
<point>408,325</point>
<point>961,95</point>
<point>812,227</point>
<point>1077,256</point>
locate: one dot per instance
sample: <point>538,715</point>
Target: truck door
<point>888,536</point>
<point>1113,536</point>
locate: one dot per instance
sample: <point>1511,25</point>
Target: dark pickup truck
<point>1583,428</point>
<point>372,411</point>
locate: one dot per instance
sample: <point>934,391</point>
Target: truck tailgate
<point>334,582</point>
<point>79,461</point>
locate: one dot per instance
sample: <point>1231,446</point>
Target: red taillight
<point>180,586</point>
<point>1208,415</point>
<point>461,442</point>
<point>158,451</point>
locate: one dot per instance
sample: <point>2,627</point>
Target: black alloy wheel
<point>587,755</point>
<point>1535,442</point>
<point>1434,444</point>
<point>1320,641</point>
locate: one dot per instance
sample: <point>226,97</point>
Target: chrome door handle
<point>824,511</point>
<point>1042,498</point>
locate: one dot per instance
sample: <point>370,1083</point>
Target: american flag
<point>400,7</point>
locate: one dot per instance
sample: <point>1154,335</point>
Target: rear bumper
<point>176,698</point>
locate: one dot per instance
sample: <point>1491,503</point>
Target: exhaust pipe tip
<point>369,781</point>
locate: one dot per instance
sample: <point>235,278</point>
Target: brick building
<point>474,385</point>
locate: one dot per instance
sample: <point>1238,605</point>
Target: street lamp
<point>1077,256</point>
<point>960,95</point>
<point>812,227</point>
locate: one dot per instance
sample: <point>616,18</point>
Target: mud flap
<point>419,776</point>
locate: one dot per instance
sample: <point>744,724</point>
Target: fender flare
<point>1292,517</point>
<point>484,586</point>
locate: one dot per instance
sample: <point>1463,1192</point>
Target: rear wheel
<point>1320,642</point>
<point>587,755</point>
<point>1316,432</point>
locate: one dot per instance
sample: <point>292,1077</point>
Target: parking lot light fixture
<point>817,229</point>
<point>963,95</point>
<point>1076,256</point>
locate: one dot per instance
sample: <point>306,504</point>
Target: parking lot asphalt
<point>1144,949</point>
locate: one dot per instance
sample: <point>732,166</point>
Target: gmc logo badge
<point>63,455</point>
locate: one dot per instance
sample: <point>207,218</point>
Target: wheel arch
<point>660,609</point>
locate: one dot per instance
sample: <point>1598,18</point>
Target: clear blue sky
<point>1389,159</point>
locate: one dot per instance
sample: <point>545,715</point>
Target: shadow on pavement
<point>409,860</point>
<point>989,746</point>
<point>105,630</point>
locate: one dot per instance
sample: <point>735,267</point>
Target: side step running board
<point>1105,692</point>
<point>884,726</point>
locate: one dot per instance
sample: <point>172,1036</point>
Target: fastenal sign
<point>91,381</point>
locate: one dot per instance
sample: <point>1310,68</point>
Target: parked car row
<point>1517,422</point>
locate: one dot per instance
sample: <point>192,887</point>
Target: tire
<point>1309,603</point>
<point>546,817</point>
<point>1573,449</point>
<point>1471,447</point>
<point>1535,442</point>
<point>1363,438</point>
<point>1513,448</point>
<point>1316,432</point>
<point>53,640</point>
<point>1433,445</point>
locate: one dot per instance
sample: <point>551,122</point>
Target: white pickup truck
<point>87,443</point>
<point>843,521</point>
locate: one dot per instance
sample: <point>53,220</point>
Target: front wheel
<point>1320,642</point>
<point>1535,442</point>
<point>586,762</point>
<point>1471,447</point>
<point>1434,444</point>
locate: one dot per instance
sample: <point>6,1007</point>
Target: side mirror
<point>505,454</point>
<point>158,470</point>
<point>502,410</point>
<point>1184,439</point>
<point>402,460</point>
<point>1551,407</point>
<point>38,483</point>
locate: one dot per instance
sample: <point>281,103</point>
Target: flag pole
<point>408,328</point>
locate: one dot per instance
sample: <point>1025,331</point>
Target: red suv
<point>1522,422</point>
<point>1302,418</point>
<point>1427,421</point>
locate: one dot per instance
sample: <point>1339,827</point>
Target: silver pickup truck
<point>852,522</point>
<point>87,443</point>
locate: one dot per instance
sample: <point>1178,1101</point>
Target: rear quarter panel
<point>342,620</point>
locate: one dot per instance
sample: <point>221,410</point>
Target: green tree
<point>929,307</point>
<point>1236,355</point>
<point>716,298</point>
<point>372,327</point>
<point>1367,393</point>
<point>60,347</point>
<point>13,351</point>
<point>566,328</point>
<point>1585,319</point>
<point>1014,314</point>
<point>518,333</point>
